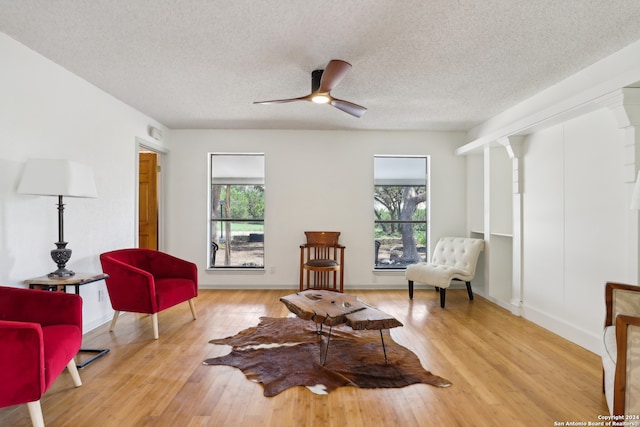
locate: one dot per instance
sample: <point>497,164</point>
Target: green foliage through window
<point>236,214</point>
<point>400,204</point>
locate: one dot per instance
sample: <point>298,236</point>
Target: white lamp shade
<point>57,177</point>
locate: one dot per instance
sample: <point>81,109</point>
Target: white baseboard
<point>573,333</point>
<point>97,322</point>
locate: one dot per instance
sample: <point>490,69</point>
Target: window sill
<point>389,271</point>
<point>239,269</point>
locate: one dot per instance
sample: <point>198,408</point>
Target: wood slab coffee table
<point>333,308</point>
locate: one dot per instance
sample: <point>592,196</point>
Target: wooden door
<point>148,201</point>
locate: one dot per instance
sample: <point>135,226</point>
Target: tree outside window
<point>236,211</point>
<point>400,204</point>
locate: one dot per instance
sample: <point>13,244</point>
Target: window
<point>401,207</point>
<point>236,211</point>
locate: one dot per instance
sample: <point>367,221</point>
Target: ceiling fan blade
<point>282,101</point>
<point>349,107</point>
<point>333,74</point>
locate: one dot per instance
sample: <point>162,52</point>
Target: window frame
<point>378,266</point>
<point>212,219</point>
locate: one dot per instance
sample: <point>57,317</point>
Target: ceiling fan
<point>322,82</point>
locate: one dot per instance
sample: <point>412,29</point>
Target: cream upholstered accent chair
<point>454,258</point>
<point>621,355</point>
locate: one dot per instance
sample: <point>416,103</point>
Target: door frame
<point>147,145</point>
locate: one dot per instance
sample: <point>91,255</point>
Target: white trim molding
<point>578,94</point>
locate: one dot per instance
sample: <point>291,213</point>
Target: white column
<point>515,146</point>
<point>625,105</point>
<point>486,206</point>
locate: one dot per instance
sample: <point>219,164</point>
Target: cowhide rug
<point>285,352</point>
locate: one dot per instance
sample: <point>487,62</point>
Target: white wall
<point>315,180</point>
<point>574,205</point>
<point>575,209</point>
<point>48,112</point>
<point>575,230</point>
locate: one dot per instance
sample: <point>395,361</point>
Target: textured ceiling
<point>417,64</point>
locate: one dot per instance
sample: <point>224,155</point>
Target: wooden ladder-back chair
<point>322,261</point>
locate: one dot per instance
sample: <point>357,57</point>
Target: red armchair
<point>40,333</point>
<point>148,281</point>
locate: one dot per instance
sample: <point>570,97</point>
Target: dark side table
<point>60,284</point>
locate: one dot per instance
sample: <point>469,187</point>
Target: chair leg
<point>301,269</point>
<point>154,320</point>
<point>410,289</point>
<point>35,412</point>
<point>114,320</point>
<point>443,293</point>
<point>192,306</point>
<point>469,291</point>
<point>73,370</point>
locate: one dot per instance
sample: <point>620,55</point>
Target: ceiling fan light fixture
<point>320,99</point>
<point>322,83</point>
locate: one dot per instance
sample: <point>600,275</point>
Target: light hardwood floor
<point>505,371</point>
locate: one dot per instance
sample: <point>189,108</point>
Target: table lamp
<point>56,177</point>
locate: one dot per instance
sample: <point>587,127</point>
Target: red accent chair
<point>40,333</point>
<point>148,281</point>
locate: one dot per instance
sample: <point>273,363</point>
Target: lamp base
<point>61,272</point>
<point>60,256</point>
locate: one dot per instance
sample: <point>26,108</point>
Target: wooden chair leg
<point>443,293</point>
<point>469,291</point>
<point>410,289</point>
<point>192,306</point>
<point>35,412</point>
<point>301,274</point>
<point>73,370</point>
<point>114,320</point>
<point>154,321</point>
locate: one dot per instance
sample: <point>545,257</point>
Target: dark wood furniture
<point>47,283</point>
<point>333,308</point>
<point>322,261</point>
<point>620,358</point>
